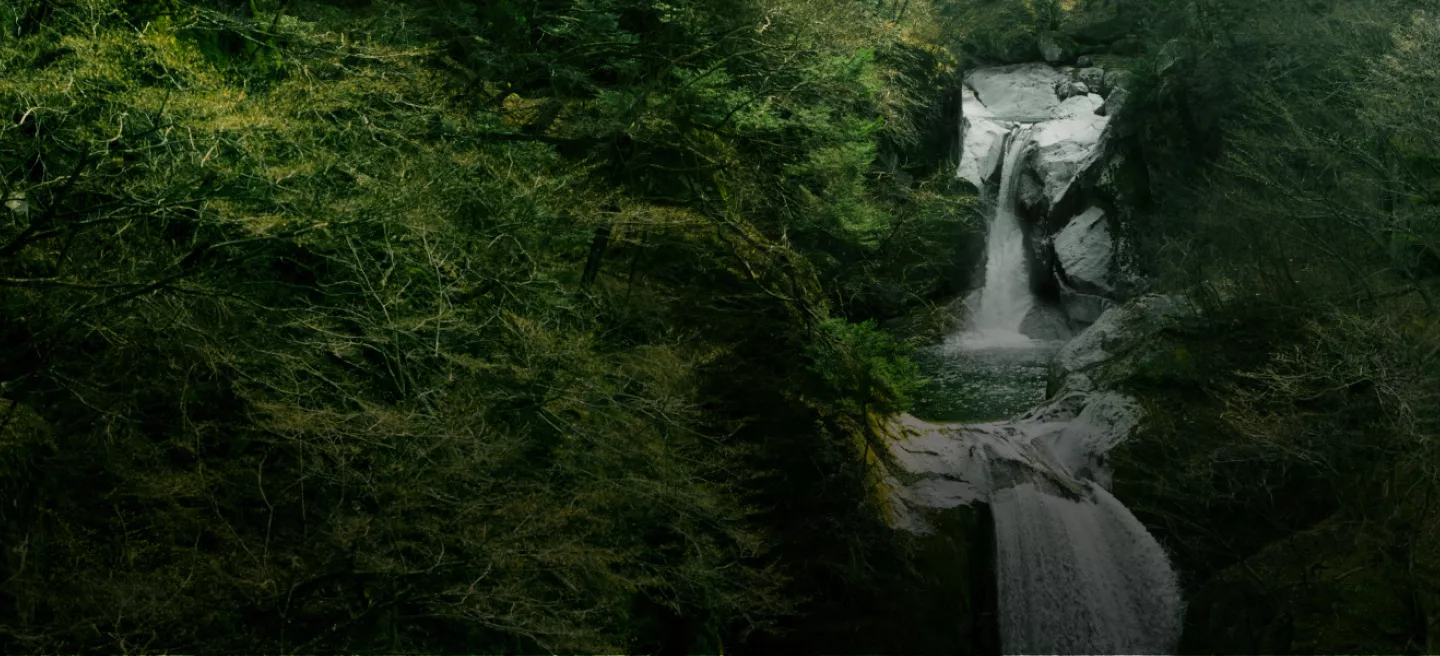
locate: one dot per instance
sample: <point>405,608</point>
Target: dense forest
<point>565,326</point>
<point>488,326</point>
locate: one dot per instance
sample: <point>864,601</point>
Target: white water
<point>1080,576</point>
<point>1006,298</point>
<point>1076,572</point>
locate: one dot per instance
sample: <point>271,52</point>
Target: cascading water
<point>1006,297</point>
<point>1080,576</point>
<point>1076,572</point>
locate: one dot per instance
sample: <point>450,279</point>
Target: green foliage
<point>867,368</point>
<point>1289,470</point>
<point>1313,182</point>
<point>449,325</point>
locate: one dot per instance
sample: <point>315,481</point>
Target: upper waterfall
<point>1006,298</point>
<point>1016,123</point>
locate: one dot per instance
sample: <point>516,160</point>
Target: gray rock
<point>1067,89</point>
<point>1032,195</point>
<point>1116,80</point>
<point>1083,309</point>
<point>1022,92</point>
<point>983,146</point>
<point>1053,47</point>
<point>1086,252</point>
<point>1066,145</point>
<point>1121,329</point>
<point>1113,104</point>
<point>1045,323</point>
<point>1094,78</point>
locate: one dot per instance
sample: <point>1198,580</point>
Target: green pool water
<point>966,384</point>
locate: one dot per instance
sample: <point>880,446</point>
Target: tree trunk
<point>598,245</point>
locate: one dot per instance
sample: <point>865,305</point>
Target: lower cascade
<point>1080,576</point>
<point>1075,571</point>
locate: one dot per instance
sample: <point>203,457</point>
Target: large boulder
<point>1045,323</point>
<point>1114,104</point>
<point>1056,47</point>
<point>982,150</point>
<point>1020,93</point>
<point>1067,144</point>
<point>1120,342</point>
<point>1086,253</point>
<point>1067,89</point>
<point>983,137</point>
<point>1032,194</point>
<point>1083,309</point>
<point>1116,80</point>
<point>1092,77</point>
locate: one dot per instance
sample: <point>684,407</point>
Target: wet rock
<point>1086,252</point>
<point>1032,195</point>
<point>1116,80</point>
<point>982,150</point>
<point>1094,78</point>
<point>1067,89</point>
<point>1022,92</point>
<point>1066,144</point>
<point>1113,104</point>
<point>1118,333</point>
<point>1045,323</point>
<point>1083,309</point>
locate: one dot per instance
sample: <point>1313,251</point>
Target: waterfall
<point>1080,576</point>
<point>1006,298</point>
<point>1076,572</point>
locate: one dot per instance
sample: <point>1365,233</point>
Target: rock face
<point>1092,77</point>
<point>1102,355</point>
<point>1083,309</point>
<point>1086,252</point>
<point>1046,323</point>
<point>1021,93</point>
<point>984,148</point>
<point>1068,188</point>
<point>1066,143</point>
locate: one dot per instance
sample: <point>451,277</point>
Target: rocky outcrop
<point>983,142</point>
<point>1020,93</point>
<point>1065,143</point>
<point>1092,77</point>
<point>1085,252</point>
<point>1111,350</point>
